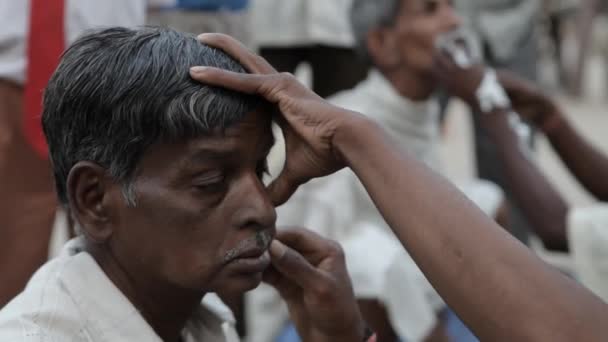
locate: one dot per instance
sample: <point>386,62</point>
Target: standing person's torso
<point>281,23</point>
<point>80,15</point>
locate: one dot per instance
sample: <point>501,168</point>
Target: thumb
<point>292,265</point>
<point>282,188</point>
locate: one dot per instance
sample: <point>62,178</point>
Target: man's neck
<point>165,308</point>
<point>415,86</point>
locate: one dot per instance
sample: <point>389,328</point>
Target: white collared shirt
<point>80,15</point>
<point>70,299</point>
<point>289,23</point>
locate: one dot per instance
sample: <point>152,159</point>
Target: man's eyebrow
<point>224,151</point>
<point>212,153</point>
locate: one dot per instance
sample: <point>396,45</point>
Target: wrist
<point>352,135</point>
<point>551,124</point>
<point>490,96</point>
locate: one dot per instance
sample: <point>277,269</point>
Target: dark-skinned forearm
<point>541,203</point>
<point>491,280</point>
<point>585,161</point>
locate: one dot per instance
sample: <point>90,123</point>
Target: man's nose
<point>255,208</point>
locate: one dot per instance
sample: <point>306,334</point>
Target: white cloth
<point>71,299</point>
<point>80,15</point>
<point>588,240</point>
<point>281,23</point>
<point>339,208</point>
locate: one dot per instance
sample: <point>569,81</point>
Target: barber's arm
<point>500,289</point>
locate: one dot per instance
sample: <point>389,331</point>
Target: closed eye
<point>214,181</point>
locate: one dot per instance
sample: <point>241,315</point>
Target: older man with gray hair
<point>164,177</point>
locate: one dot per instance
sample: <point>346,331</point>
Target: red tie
<point>46,42</point>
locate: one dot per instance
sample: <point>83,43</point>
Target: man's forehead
<point>253,132</point>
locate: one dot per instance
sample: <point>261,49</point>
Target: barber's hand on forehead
<point>310,274</point>
<point>308,122</point>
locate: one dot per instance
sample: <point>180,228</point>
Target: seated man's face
<point>413,35</point>
<point>202,219</point>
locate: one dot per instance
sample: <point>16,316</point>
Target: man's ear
<point>88,193</point>
<point>383,48</point>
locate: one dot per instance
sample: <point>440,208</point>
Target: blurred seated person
<point>581,231</point>
<point>398,38</point>
<point>164,177</point>
<point>317,32</point>
<point>231,17</point>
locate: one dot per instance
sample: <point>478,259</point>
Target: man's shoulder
<point>44,311</point>
<point>355,99</point>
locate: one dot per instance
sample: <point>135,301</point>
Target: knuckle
<point>284,79</point>
<point>325,290</point>
<point>336,249</point>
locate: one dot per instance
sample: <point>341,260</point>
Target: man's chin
<point>239,283</point>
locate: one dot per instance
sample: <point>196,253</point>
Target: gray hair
<point>367,15</point>
<point>118,91</point>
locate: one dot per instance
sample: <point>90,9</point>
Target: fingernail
<point>197,69</point>
<point>277,249</point>
<point>201,36</point>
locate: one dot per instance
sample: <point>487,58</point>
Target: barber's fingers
<point>311,245</point>
<point>286,184</point>
<point>286,288</point>
<point>272,87</point>
<point>293,266</point>
<point>282,188</point>
<point>251,61</point>
<point>254,84</point>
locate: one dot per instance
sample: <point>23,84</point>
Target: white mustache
<point>261,240</point>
